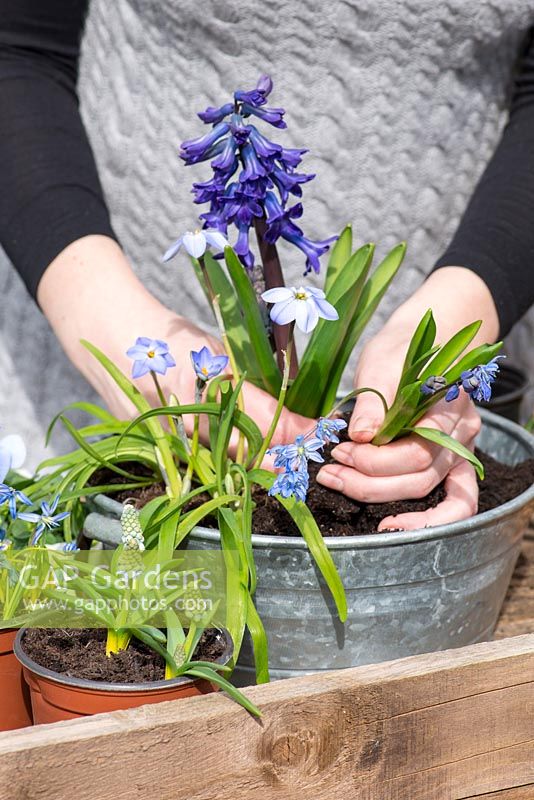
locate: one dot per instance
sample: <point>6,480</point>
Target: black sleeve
<point>50,193</point>
<point>495,238</point>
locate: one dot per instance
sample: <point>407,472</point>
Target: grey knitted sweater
<point>401,104</point>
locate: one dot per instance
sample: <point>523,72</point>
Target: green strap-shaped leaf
<point>444,440</point>
<point>234,321</point>
<point>339,256</point>
<point>479,355</point>
<point>372,293</point>
<point>210,675</point>
<point>421,342</point>
<point>400,414</point>
<point>303,518</point>
<point>254,323</point>
<point>449,352</point>
<point>304,395</point>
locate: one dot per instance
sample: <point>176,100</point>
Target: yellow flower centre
<point>151,354</point>
<point>301,296</point>
<point>204,371</point>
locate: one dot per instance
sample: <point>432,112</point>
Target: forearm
<point>457,296</point>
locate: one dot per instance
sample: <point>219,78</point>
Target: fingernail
<point>330,481</point>
<point>362,425</point>
<point>342,453</point>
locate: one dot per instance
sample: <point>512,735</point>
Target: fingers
<point>461,502</point>
<point>365,488</point>
<point>411,454</point>
<point>374,371</point>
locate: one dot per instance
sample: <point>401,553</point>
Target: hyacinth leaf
<point>232,315</point>
<point>271,375</point>
<point>306,524</point>
<point>259,642</point>
<point>449,352</point>
<point>444,440</point>
<point>340,254</point>
<point>304,395</point>
<point>372,293</point>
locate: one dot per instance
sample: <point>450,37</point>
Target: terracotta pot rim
<point>106,686</point>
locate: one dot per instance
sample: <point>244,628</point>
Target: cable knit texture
<point>400,102</point>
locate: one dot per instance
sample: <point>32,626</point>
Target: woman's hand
<point>412,467</point>
<point>90,292</point>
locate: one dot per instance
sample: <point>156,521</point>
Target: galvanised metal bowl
<point>407,592</point>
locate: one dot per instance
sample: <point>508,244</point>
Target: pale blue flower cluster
<point>293,458</point>
<point>475,382</point>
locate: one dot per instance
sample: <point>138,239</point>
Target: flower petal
<point>173,249</point>
<point>216,239</point>
<point>140,368</point>
<point>195,244</point>
<point>306,316</point>
<point>325,309</point>
<point>285,312</point>
<point>278,295</point>
<point>14,445</point>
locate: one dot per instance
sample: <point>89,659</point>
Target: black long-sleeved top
<point>51,195</point>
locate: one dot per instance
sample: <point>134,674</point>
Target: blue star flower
<point>327,429</point>
<point>46,519</point>
<point>10,495</point>
<point>206,365</point>
<point>295,456</point>
<point>452,393</point>
<point>150,355</point>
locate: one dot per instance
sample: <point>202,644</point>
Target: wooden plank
<point>520,793</point>
<point>443,726</point>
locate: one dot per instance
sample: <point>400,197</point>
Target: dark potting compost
<point>82,654</point>
<point>337,515</point>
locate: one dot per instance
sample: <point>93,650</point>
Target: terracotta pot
<point>56,697</point>
<point>15,705</point>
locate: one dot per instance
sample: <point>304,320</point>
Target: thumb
<point>368,414</point>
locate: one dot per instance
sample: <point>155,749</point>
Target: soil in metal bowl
<point>82,654</point>
<point>337,515</point>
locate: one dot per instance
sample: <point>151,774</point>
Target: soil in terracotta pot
<point>337,515</point>
<point>82,654</point>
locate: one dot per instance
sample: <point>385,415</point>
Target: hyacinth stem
<point>274,277</point>
<point>229,352</point>
<point>281,399</point>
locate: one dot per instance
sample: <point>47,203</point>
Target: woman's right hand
<point>90,292</point>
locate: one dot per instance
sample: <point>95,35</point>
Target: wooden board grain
<point>446,726</point>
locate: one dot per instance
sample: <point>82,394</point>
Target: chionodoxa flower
<point>206,365</point>
<point>150,355</point>
<point>196,243</point>
<point>304,305</point>
<point>475,382</point>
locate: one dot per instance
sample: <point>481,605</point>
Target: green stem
<point>279,406</point>
<point>355,393</point>
<point>226,342</point>
<point>163,401</point>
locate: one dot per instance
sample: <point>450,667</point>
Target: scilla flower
<point>295,456</point>
<point>12,454</point>
<point>291,484</point>
<point>477,382</point>
<point>46,519</point>
<point>304,306</point>
<point>10,495</point>
<point>433,384</point>
<point>327,429</point>
<point>196,243</point>
<point>206,365</point>
<point>150,355</point>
